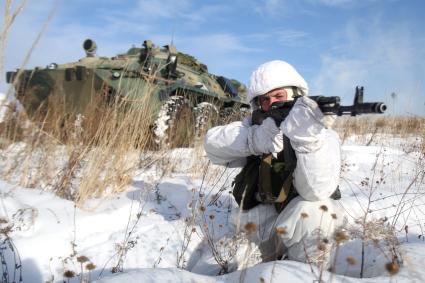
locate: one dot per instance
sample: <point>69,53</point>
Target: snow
<point>3,106</point>
<point>8,102</point>
<point>155,231</point>
<point>162,121</point>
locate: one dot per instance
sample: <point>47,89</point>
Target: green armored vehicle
<point>173,80</point>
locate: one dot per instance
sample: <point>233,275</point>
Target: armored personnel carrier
<point>174,81</point>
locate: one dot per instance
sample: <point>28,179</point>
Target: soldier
<point>292,211</point>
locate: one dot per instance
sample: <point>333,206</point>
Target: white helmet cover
<point>272,75</point>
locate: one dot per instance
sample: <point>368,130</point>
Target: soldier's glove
<point>265,138</point>
<point>328,121</point>
<point>304,126</point>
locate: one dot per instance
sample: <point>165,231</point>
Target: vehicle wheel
<point>206,116</point>
<point>174,124</point>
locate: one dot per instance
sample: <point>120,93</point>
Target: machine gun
<point>330,105</point>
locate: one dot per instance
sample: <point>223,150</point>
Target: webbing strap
<point>284,191</point>
<point>265,183</point>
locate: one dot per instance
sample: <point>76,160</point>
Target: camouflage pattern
<point>161,72</point>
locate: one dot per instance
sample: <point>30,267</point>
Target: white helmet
<point>272,75</point>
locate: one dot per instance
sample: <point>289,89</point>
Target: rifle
<point>329,105</point>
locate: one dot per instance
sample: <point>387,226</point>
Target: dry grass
<point>8,19</point>
<point>100,149</point>
<point>366,125</point>
<point>99,146</point>
<point>78,155</point>
<point>91,153</point>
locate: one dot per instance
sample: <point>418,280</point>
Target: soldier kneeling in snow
<point>289,200</point>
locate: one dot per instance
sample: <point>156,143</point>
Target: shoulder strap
<point>287,155</point>
<point>275,175</point>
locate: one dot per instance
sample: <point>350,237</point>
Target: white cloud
<point>220,43</point>
<point>384,59</point>
<point>162,8</point>
<point>115,31</point>
<point>271,8</point>
<point>290,37</point>
<point>283,37</point>
<point>224,53</point>
<point>346,3</point>
<point>334,2</point>
<point>206,12</point>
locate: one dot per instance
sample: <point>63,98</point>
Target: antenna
<point>173,27</point>
<point>172,36</point>
<point>172,31</point>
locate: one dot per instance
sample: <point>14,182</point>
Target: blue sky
<point>334,44</point>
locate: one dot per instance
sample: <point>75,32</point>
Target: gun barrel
<point>381,107</point>
<point>363,108</point>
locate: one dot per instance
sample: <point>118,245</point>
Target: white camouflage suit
<point>316,176</point>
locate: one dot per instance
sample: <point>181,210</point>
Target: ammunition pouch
<point>265,179</point>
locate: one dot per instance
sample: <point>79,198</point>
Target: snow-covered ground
<point>157,230</point>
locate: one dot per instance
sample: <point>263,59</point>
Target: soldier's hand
<point>303,125</point>
<point>326,120</point>
<point>265,138</point>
